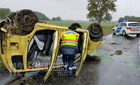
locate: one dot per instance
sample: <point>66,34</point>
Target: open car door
<point>53,55</point>
<point>84,53</point>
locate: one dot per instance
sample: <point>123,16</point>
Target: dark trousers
<point>68,59</point>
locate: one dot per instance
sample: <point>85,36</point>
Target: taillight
<point>129,28</point>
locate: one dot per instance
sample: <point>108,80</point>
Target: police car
<point>127,28</point>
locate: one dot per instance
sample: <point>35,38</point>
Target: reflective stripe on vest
<point>69,38</point>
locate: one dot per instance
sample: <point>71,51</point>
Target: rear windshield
<point>134,24</point>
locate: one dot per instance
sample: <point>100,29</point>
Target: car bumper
<point>133,32</point>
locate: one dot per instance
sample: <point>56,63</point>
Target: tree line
<point>129,18</point>
<point>5,12</point>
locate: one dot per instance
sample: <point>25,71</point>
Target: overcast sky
<point>70,9</point>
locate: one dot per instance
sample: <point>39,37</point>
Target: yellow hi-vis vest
<point>69,38</point>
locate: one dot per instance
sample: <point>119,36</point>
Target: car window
<point>123,24</point>
<point>119,24</point>
<point>134,24</point>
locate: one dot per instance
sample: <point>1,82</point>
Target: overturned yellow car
<point>25,41</point>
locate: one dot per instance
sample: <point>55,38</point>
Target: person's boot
<point>65,67</point>
<point>70,70</point>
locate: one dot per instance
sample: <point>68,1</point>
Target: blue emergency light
<point>125,20</point>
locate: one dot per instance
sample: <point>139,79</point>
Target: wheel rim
<point>123,32</point>
<point>113,31</point>
<point>95,32</point>
<point>25,20</point>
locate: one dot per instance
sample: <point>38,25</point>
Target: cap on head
<point>74,26</point>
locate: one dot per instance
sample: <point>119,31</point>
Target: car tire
<point>25,20</point>
<point>124,33</point>
<point>138,35</point>
<point>114,33</point>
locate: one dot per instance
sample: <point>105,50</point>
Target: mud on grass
<point>118,52</point>
<point>1,64</point>
<point>114,43</point>
<point>93,58</point>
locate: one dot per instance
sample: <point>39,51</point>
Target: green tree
<point>99,8</point>
<point>56,19</point>
<point>41,16</point>
<point>121,19</point>
<point>108,17</point>
<point>137,19</point>
<point>129,18</point>
<point>4,12</point>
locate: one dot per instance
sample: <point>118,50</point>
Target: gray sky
<point>70,9</point>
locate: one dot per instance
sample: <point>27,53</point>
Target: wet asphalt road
<point>113,69</point>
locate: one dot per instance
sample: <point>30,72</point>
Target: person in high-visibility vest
<point>69,48</point>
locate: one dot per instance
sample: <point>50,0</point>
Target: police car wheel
<point>124,33</point>
<point>138,35</point>
<point>114,33</point>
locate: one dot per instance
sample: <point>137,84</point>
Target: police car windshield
<point>134,24</point>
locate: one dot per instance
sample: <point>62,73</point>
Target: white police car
<point>127,28</point>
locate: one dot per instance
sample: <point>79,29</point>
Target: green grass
<point>107,27</point>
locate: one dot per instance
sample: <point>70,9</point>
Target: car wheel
<point>114,33</point>
<point>95,32</point>
<point>124,33</point>
<point>25,20</point>
<point>138,35</point>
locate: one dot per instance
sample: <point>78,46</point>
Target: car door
<point>54,55</point>
<point>118,29</point>
<point>84,53</point>
<point>121,27</point>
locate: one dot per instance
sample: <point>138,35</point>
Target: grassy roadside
<point>107,27</point>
